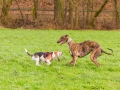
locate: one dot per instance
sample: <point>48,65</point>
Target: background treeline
<point>60,14</point>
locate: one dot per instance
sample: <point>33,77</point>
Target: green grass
<point>18,71</point>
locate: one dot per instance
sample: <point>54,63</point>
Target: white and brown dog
<point>44,56</point>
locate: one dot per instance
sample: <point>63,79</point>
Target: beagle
<point>44,56</point>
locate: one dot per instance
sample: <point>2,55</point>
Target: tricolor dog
<point>46,57</point>
<point>82,49</point>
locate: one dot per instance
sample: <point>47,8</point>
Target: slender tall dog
<point>82,49</point>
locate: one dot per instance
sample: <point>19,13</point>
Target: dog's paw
<point>48,63</point>
<point>38,65</point>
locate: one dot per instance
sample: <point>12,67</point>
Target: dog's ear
<point>66,35</point>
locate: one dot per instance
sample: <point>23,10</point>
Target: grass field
<point>18,71</point>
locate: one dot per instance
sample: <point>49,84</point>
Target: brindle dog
<point>82,49</point>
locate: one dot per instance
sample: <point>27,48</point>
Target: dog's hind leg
<point>94,55</point>
<point>37,59</point>
<point>40,61</point>
<point>37,62</point>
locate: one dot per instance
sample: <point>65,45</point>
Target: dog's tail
<point>107,52</point>
<point>28,53</point>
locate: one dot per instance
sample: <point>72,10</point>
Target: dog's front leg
<point>74,60</point>
<point>70,62</point>
<point>48,62</point>
<point>58,59</point>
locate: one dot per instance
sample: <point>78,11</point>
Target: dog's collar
<point>69,40</point>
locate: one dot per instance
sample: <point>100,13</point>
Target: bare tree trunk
<point>35,10</point>
<point>71,13</point>
<point>5,8</point>
<point>66,10</point>
<point>88,12</point>
<point>20,11</point>
<point>76,14</point>
<point>83,14</point>
<point>35,13</point>
<point>91,25</point>
<point>59,11</point>
<point>91,8</point>
<point>116,13</point>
